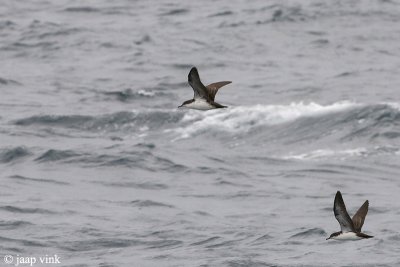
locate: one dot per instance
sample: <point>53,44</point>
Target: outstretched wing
<point>200,91</point>
<point>213,88</point>
<point>359,217</point>
<point>339,209</point>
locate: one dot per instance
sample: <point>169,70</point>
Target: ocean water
<point>100,167</point>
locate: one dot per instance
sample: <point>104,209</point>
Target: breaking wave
<point>345,121</point>
<point>243,119</point>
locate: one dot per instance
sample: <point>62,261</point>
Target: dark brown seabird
<point>204,96</point>
<point>350,228</point>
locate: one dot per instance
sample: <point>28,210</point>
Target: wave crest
<point>244,118</point>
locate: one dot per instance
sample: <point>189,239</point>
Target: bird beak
<point>328,238</point>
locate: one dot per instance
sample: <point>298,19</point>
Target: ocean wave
<point>221,13</point>
<point>39,180</point>
<point>174,12</point>
<point>43,29</point>
<point>56,120</point>
<point>324,153</point>
<point>8,81</point>
<point>137,160</point>
<point>84,9</point>
<point>7,24</point>
<point>206,241</point>
<point>8,225</point>
<point>296,122</point>
<point>14,209</point>
<point>135,121</point>
<point>309,232</point>
<point>149,203</point>
<point>55,155</point>
<point>262,239</point>
<point>290,14</point>
<point>343,154</point>
<point>247,263</point>
<point>24,242</point>
<point>96,244</point>
<point>245,118</point>
<point>343,122</point>
<point>129,94</point>
<point>12,154</point>
<point>143,185</point>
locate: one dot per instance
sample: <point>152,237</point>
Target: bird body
<point>350,227</point>
<point>204,96</point>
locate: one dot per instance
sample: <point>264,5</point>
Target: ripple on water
<point>82,9</point>
<point>25,242</point>
<point>249,263</point>
<point>206,241</point>
<point>8,155</point>
<point>9,225</point>
<point>99,243</point>
<point>150,203</point>
<point>26,210</point>
<point>119,121</point>
<point>39,180</point>
<point>55,155</point>
<point>309,232</point>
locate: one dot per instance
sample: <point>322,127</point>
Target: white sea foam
<point>325,153</point>
<point>243,118</point>
<point>393,105</point>
<point>342,154</point>
<point>146,93</point>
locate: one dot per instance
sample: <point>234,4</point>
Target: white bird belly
<point>347,236</point>
<point>200,104</point>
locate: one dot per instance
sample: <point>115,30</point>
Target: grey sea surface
<point>100,167</point>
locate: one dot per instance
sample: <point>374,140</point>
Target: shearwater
<point>350,227</point>
<point>204,96</point>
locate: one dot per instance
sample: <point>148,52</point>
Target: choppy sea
<point>99,167</point>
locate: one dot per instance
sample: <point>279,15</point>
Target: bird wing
<point>359,217</point>
<point>339,209</point>
<point>213,88</point>
<point>200,91</point>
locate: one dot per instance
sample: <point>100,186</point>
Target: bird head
<point>333,235</point>
<point>187,102</point>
